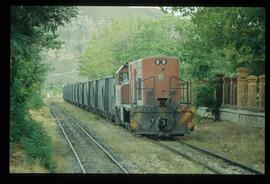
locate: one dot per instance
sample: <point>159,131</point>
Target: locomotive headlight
<point>157,61</point>
<point>163,61</point>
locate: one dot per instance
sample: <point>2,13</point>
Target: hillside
<point>76,35</point>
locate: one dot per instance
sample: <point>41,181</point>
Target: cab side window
<point>125,77</point>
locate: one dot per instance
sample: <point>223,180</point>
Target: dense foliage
<point>125,40</point>
<point>221,40</point>
<point>225,38</point>
<point>32,30</point>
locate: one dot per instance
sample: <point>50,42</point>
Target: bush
<point>17,121</point>
<point>35,100</point>
<point>38,145</point>
<point>204,96</point>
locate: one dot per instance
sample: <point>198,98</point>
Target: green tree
<point>127,40</point>
<point>32,30</point>
<point>99,58</point>
<point>225,38</point>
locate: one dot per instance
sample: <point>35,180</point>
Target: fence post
<point>261,90</point>
<point>226,90</point>
<point>218,95</point>
<point>252,92</point>
<point>242,73</point>
<point>193,92</point>
<point>219,88</point>
<point>233,99</point>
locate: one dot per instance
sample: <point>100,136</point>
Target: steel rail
<point>97,143</point>
<point>227,160</point>
<point>202,150</point>
<point>72,148</point>
<point>177,152</point>
<point>189,158</point>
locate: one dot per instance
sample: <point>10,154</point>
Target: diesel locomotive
<point>145,95</point>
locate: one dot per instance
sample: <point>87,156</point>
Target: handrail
<point>188,101</point>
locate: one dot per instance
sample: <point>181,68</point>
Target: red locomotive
<point>145,95</point>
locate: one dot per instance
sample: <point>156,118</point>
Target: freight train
<point>145,95</point>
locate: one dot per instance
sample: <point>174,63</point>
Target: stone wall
<point>238,116</point>
<point>241,97</point>
<point>244,90</point>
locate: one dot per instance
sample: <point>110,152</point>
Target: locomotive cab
<point>122,100</point>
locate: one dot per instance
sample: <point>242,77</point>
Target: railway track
<point>89,153</point>
<point>215,163</point>
<point>226,160</point>
<point>212,161</point>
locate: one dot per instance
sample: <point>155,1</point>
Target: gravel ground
<point>212,162</point>
<point>93,159</point>
<point>68,162</point>
<point>138,155</point>
<point>240,143</point>
<point>65,162</point>
<point>71,165</point>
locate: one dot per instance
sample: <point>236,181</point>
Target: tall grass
<point>38,145</point>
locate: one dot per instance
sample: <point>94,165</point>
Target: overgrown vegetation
<point>125,40</point>
<point>37,145</point>
<point>32,30</point>
<point>225,38</point>
<point>220,40</point>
